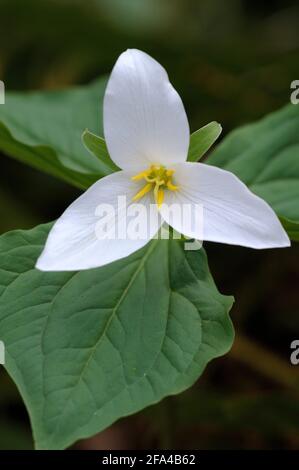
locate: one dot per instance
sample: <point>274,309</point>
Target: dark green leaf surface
<point>43,129</point>
<point>89,347</point>
<point>291,227</point>
<point>265,155</point>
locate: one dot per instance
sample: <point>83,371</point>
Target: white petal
<point>76,240</point>
<point>144,117</point>
<point>231,212</point>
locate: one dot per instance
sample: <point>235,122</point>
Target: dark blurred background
<point>232,62</point>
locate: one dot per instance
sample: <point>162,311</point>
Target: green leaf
<point>202,139</point>
<point>291,227</point>
<point>97,146</point>
<point>265,156</point>
<point>43,129</point>
<point>89,347</point>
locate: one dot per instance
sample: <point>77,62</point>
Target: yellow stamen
<point>140,176</point>
<point>158,178</point>
<point>150,179</point>
<point>171,186</point>
<point>143,191</point>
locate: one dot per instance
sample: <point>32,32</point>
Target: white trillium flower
<point>147,135</point>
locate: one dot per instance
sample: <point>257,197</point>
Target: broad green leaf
<point>265,155</point>
<point>291,227</point>
<point>43,129</point>
<point>97,146</point>
<point>202,139</point>
<point>89,347</point>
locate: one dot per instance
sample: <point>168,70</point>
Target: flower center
<point>158,178</point>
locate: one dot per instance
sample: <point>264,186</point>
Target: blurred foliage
<point>232,62</point>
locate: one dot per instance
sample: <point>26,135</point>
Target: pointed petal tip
<point>44,266</point>
<point>232,214</point>
<point>155,121</point>
<point>137,52</point>
<point>280,237</point>
<point>284,242</point>
<point>134,50</point>
<point>39,263</point>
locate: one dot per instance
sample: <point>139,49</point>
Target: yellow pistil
<point>160,197</point>
<point>158,179</point>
